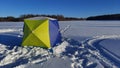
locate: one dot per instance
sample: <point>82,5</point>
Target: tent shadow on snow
<point>10,40</point>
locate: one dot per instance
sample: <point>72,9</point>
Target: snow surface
<point>86,44</point>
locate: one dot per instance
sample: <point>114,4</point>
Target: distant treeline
<point>61,17</point>
<point>22,17</point>
<point>105,17</point>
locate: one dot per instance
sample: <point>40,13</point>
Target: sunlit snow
<point>86,44</point>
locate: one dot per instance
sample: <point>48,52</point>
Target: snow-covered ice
<point>86,44</point>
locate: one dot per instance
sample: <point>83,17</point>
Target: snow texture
<point>86,44</point>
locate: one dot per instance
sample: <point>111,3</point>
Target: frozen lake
<point>87,44</point>
<point>91,28</point>
<point>77,28</point>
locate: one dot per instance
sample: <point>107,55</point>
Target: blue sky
<point>68,8</point>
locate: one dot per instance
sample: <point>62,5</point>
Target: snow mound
<point>61,48</point>
<point>21,55</point>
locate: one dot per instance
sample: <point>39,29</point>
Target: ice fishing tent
<point>41,31</point>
